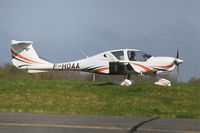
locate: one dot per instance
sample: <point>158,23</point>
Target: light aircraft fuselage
<point>114,62</point>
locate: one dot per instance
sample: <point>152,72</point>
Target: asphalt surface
<point>42,123</point>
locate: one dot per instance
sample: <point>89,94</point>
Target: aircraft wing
<point>140,68</point>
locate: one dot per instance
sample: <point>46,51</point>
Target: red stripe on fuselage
<point>143,67</point>
<point>101,69</point>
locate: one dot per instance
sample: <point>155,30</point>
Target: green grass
<point>100,98</point>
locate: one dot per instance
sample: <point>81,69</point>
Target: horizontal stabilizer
<point>36,71</point>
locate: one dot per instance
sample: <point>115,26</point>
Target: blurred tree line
<point>8,71</point>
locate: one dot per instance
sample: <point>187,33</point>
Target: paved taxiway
<point>40,123</point>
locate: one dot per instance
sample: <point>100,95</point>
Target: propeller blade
<point>178,73</point>
<point>177,54</point>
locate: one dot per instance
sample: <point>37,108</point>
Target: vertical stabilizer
<point>23,54</point>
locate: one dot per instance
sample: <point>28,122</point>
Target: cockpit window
<point>138,56</point>
<point>119,55</point>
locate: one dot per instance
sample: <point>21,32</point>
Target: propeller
<point>178,61</point>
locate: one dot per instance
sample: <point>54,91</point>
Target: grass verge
<point>98,98</point>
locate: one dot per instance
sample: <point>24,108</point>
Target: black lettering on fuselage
<point>63,66</point>
<point>67,66</point>
<point>77,66</point>
<point>73,66</point>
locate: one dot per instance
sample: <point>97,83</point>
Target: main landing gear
<point>127,81</point>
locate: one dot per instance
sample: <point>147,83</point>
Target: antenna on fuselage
<point>83,53</point>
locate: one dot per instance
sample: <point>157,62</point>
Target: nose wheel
<point>163,82</point>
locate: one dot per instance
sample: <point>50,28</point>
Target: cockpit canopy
<point>132,55</point>
<point>138,56</point>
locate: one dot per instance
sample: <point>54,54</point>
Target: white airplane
<point>115,62</point>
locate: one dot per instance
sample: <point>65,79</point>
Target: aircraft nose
<point>178,61</point>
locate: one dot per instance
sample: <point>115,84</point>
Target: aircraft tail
<point>24,55</point>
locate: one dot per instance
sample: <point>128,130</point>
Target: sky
<point>60,28</point>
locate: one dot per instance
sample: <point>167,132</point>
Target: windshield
<point>138,56</point>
